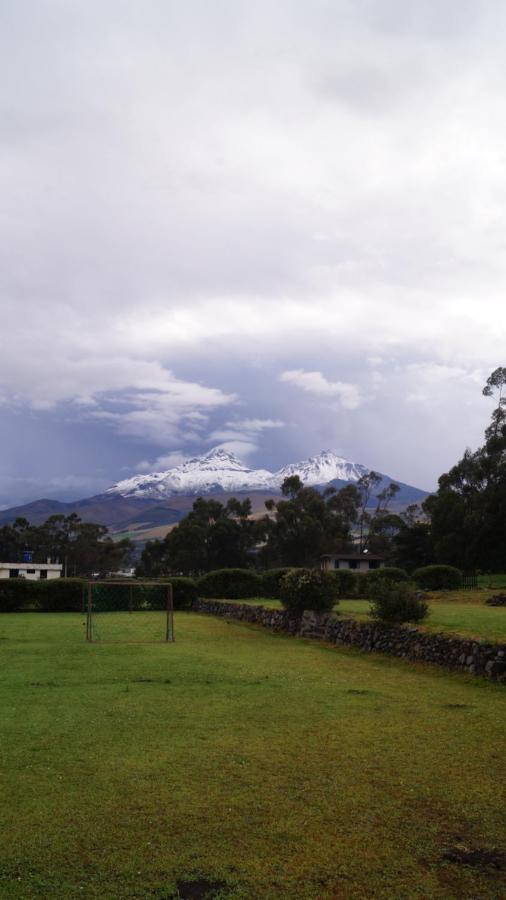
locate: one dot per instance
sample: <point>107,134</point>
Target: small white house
<point>358,562</point>
<point>30,570</point>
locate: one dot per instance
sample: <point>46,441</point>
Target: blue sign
<point>27,555</point>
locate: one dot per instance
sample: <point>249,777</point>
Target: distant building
<point>30,570</point>
<point>358,562</point>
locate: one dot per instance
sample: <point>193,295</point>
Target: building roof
<point>30,565</point>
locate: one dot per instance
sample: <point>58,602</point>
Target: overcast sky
<point>276,226</point>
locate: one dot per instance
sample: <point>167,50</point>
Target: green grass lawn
<point>486,623</point>
<point>278,767</point>
<point>455,612</point>
<point>492,581</point>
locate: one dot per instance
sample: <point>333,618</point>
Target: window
<point>43,573</point>
<point>13,573</point>
<point>374,564</point>
<point>336,564</point>
<point>30,571</point>
<point>353,563</point>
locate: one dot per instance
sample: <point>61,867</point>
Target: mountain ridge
<point>169,495</point>
<point>221,469</point>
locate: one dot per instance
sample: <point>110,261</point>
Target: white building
<point>30,570</point>
<point>357,562</point>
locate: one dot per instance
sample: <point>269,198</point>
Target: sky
<point>275,227</point>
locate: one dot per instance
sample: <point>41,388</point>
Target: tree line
<point>295,530</point>
<point>81,547</point>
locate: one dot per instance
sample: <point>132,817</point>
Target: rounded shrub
<point>230,584</point>
<point>271,582</point>
<point>397,602</point>
<point>438,578</point>
<point>308,589</point>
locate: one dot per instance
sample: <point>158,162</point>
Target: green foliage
<point>346,581</point>
<point>184,592</point>
<point>438,578</point>
<point>387,573</point>
<point>81,547</point>
<point>308,589</point>
<point>271,582</point>
<point>396,602</point>
<point>305,524</point>
<point>412,545</point>
<point>366,582</point>
<point>53,595</point>
<point>230,584</point>
<point>468,512</point>
<point>212,536</point>
<point>15,594</point>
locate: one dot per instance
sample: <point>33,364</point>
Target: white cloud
<point>316,384</point>
<point>243,434</point>
<point>161,463</point>
<point>241,448</point>
<point>253,425</point>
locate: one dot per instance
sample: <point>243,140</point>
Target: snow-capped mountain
<point>321,469</point>
<point>221,470</point>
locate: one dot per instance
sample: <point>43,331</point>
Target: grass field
<point>492,581</point>
<point>458,616</point>
<point>272,766</point>
<point>455,612</point>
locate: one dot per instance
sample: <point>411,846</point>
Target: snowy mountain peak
<point>325,467</point>
<point>221,457</point>
<point>220,469</point>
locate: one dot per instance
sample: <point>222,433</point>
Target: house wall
<point>52,572</point>
<point>363,565</point>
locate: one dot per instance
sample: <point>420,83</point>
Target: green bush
<point>397,602</point>
<point>366,582</point>
<point>14,594</point>
<point>230,584</point>
<point>308,589</point>
<point>271,582</point>
<point>184,591</point>
<point>438,578</point>
<point>60,594</point>
<point>53,595</point>
<point>346,580</point>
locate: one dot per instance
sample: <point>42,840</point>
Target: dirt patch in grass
<point>476,857</point>
<point>201,889</point>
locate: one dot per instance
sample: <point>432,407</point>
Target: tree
<point>211,536</point>
<point>306,523</point>
<point>82,547</point>
<point>468,512</point>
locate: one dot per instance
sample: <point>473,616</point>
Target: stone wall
<point>475,657</point>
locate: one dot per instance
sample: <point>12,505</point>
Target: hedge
<point>438,578</point>
<point>230,584</point>
<point>271,582</point>
<point>366,582</point>
<point>184,591</point>
<point>346,580</point>
<point>52,595</point>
